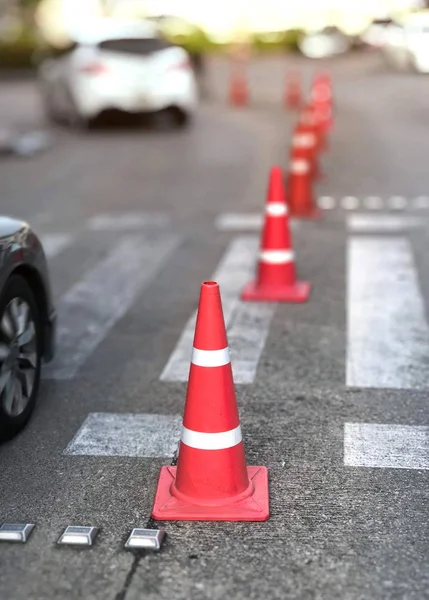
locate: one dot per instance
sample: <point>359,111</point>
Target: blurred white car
<point>122,66</point>
<point>321,44</point>
<point>406,44</point>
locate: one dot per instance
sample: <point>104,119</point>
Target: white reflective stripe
<point>276,209</point>
<point>304,140</point>
<point>210,358</point>
<point>277,256</point>
<point>211,441</point>
<point>299,167</point>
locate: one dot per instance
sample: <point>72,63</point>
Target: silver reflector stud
<point>15,532</point>
<point>78,536</point>
<point>151,539</point>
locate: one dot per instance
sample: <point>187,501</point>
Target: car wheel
<point>20,355</point>
<point>50,111</point>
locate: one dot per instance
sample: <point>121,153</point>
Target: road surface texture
<point>334,400</point>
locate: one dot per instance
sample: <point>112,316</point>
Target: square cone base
<point>298,292</point>
<point>254,508</point>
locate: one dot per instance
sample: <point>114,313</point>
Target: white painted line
<point>421,202</point>
<point>388,336</point>
<point>373,202</point>
<point>88,311</point>
<point>234,222</point>
<point>210,358</point>
<point>386,446</point>
<point>381,222</point>
<point>350,202</point>
<point>397,202</point>
<point>326,202</point>
<point>211,441</point>
<point>126,221</point>
<point>55,243</point>
<point>245,222</point>
<point>125,434</point>
<point>247,322</point>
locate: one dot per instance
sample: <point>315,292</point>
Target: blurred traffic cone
<point>322,100</point>
<point>304,145</point>
<point>238,88</point>
<point>211,481</point>
<point>300,190</point>
<point>293,93</point>
<point>276,276</point>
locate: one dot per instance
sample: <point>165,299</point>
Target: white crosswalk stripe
<point>88,311</point>
<point>125,434</point>
<point>126,221</point>
<point>247,323</point>
<point>388,335</point>
<point>386,446</point>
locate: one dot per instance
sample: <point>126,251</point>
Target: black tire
<point>171,118</point>
<point>17,287</point>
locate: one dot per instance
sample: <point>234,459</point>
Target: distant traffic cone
<point>322,100</point>
<point>293,93</point>
<point>276,276</point>
<point>211,481</point>
<point>300,190</point>
<point>238,88</point>
<point>305,146</point>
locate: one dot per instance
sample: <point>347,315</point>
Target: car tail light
<point>183,65</point>
<point>93,69</point>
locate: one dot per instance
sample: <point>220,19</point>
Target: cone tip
<point>210,287</point>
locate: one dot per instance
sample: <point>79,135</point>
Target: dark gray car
<point>27,323</point>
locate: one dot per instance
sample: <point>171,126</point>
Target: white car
<point>125,66</point>
<point>406,43</point>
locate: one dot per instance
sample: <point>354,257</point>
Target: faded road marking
<point>386,446</point>
<point>55,243</point>
<point>388,336</point>
<point>126,221</point>
<point>126,434</point>
<point>380,223</point>
<point>88,311</point>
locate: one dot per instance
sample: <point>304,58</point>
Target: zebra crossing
<point>386,349</point>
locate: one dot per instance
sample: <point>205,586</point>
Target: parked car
<point>406,45</point>
<point>327,42</point>
<point>125,66</point>
<point>27,323</point>
<point>375,34</point>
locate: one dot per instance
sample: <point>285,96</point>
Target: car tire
<point>51,113</point>
<point>16,301</point>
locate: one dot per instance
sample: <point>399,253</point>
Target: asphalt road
<point>348,497</point>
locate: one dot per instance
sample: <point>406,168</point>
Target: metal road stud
<point>78,536</point>
<point>16,532</point>
<point>149,539</point>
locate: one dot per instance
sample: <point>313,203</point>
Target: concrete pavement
<point>336,531</point>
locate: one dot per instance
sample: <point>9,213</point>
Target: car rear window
<point>140,46</point>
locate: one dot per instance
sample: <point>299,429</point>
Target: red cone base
<point>253,505</point>
<point>298,292</point>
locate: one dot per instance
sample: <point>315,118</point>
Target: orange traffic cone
<point>238,89</point>
<point>322,100</point>
<point>211,481</point>
<point>293,94</point>
<point>304,145</point>
<point>300,191</point>
<point>276,276</point>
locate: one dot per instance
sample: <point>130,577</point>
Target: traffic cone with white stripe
<point>300,190</point>
<point>211,481</point>
<point>276,276</point>
<point>292,94</point>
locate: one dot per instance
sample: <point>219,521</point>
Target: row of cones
<point>212,481</point>
<point>293,95</point>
